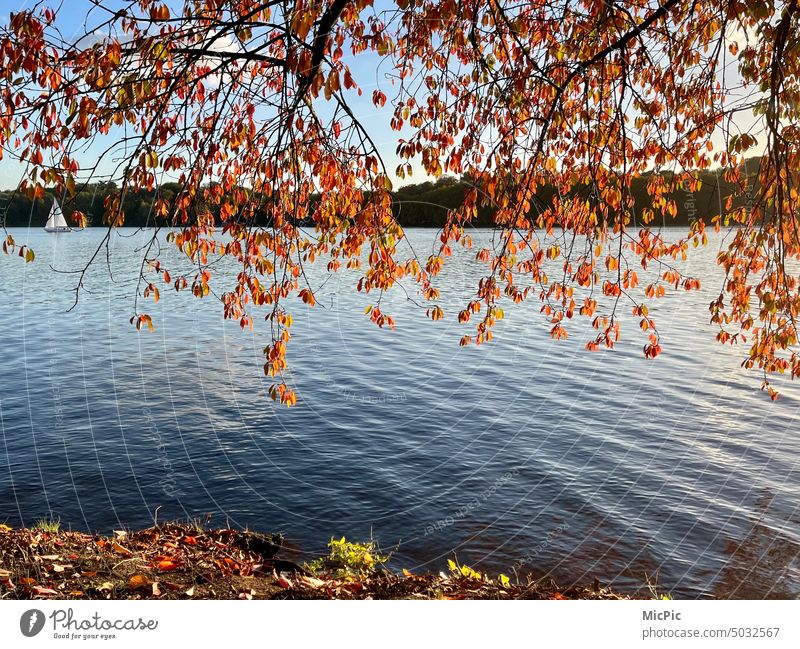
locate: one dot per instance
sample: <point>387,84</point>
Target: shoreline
<point>185,561</point>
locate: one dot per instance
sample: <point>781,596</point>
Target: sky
<point>76,17</point>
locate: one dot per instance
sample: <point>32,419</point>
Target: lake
<point>526,452</point>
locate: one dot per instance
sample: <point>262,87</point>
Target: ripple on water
<point>525,452</point>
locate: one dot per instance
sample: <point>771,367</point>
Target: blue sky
<point>77,17</point>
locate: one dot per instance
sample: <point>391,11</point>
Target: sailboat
<point>56,221</point>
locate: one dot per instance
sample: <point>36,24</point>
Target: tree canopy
<point>242,120</point>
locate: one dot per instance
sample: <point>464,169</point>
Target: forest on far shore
<point>416,205</point>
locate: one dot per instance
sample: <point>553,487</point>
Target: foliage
<point>178,561</point>
<point>464,571</point>
<point>461,571</point>
<point>552,110</point>
<point>347,558</point>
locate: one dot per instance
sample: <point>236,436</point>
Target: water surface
<point>526,452</point>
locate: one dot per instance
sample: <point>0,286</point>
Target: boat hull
<point>58,229</point>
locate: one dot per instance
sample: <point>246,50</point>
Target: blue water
<point>525,452</point>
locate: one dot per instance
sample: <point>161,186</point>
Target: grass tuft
<point>48,525</point>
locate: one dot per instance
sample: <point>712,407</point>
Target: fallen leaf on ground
<point>41,591</point>
<point>119,549</point>
<point>311,581</point>
<point>138,581</point>
<point>168,564</point>
<point>282,581</point>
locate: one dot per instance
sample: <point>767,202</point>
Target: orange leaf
<point>119,549</point>
<point>138,581</point>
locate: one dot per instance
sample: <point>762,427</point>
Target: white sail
<point>56,221</point>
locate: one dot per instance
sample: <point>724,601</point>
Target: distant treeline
<point>420,205</point>
<point>426,204</point>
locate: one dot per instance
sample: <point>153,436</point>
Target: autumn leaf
<point>584,148</point>
<point>136,582</point>
<point>41,591</point>
<point>79,219</point>
<point>282,581</point>
<point>120,549</point>
<point>313,582</point>
<point>168,564</point>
